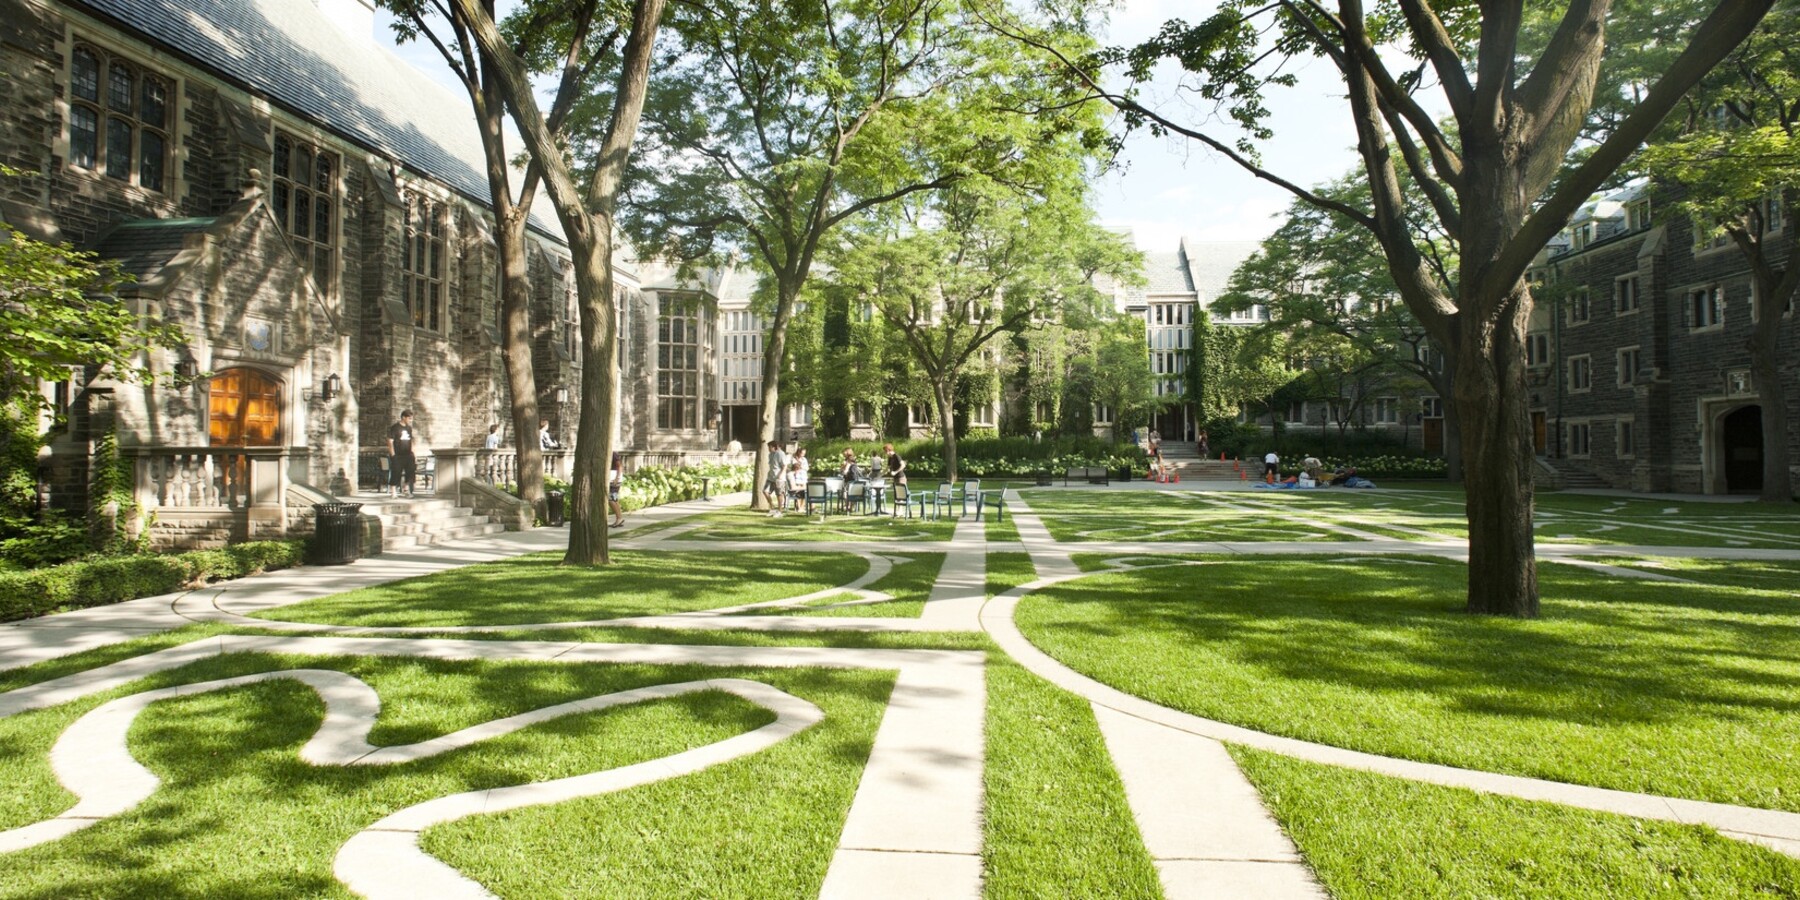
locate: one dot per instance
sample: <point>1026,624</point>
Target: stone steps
<point>411,524</point>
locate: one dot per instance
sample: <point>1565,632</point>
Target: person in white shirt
<point>1271,466</point>
<point>493,438</point>
<point>545,440</point>
<point>796,485</point>
<point>775,489</point>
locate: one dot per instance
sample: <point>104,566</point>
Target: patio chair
<point>907,500</point>
<point>995,500</point>
<point>856,496</point>
<point>949,495</point>
<point>818,496</point>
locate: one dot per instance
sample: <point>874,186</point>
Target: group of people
<point>1311,474</point>
<point>403,463</point>
<point>788,475</point>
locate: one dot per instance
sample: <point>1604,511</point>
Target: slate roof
<point>1210,263</point>
<point>1167,273</point>
<point>289,52</point>
<point>145,248</point>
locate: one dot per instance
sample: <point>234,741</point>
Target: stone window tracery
<point>119,119</point>
<point>422,262</point>
<point>678,325</point>
<point>305,203</point>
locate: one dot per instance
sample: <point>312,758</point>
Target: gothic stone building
<point>1638,352</point>
<point>309,209</point>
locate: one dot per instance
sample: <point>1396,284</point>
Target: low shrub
<point>100,580</point>
<point>657,485</point>
<point>1007,457</point>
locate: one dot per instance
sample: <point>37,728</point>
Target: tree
<point>1324,279</point>
<point>993,260</point>
<point>1122,378</point>
<point>1736,159</point>
<point>536,32</point>
<point>59,310</point>
<point>1496,184</point>
<point>587,217</point>
<point>772,126</point>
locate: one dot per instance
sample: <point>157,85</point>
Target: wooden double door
<point>244,410</point>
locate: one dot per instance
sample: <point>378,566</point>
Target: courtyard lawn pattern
<point>747,525</point>
<point>536,589</point>
<point>910,584</point>
<point>239,814</point>
<point>1678,689</point>
<point>1371,837</point>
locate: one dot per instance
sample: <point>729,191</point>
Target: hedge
<point>657,485</point>
<point>1007,457</point>
<point>100,580</point>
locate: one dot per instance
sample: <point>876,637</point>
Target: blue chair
<point>991,499</point>
<point>905,499</point>
<point>818,497</point>
<point>856,496</point>
<point>949,495</point>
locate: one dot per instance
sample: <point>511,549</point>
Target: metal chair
<point>995,499</point>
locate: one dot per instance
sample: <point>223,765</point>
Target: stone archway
<point>1740,449</point>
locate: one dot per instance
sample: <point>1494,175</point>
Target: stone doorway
<point>1740,437</point>
<point>244,407</point>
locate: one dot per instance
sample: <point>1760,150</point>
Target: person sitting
<point>850,471</point>
<point>1343,475</point>
<point>796,486</point>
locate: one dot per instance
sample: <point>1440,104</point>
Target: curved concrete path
<point>1775,829</point>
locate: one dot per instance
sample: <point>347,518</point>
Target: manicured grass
<point>999,531</point>
<point>239,815</point>
<point>537,588</point>
<point>1757,574</point>
<point>910,584</point>
<point>1079,515</point>
<point>1057,822</point>
<point>1006,571</point>
<point>745,525</point>
<point>1676,689</point>
<point>1371,837</point>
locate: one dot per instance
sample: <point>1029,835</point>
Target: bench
<point>1092,474</point>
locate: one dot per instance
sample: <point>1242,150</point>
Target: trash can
<point>1124,473</point>
<point>553,508</point>
<point>337,533</point>
<point>1043,478</point>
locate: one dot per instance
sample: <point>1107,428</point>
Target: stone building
<point>1638,351</point>
<point>311,210</point>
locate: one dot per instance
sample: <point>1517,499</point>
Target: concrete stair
<point>1567,475</point>
<point>411,524</point>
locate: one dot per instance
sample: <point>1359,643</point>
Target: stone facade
<point>381,282</point>
<point>1629,386</point>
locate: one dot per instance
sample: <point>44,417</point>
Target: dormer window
<point>1637,214</point>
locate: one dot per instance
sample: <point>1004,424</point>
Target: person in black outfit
<point>402,465</point>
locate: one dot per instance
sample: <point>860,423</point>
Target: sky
<point>1167,188</point>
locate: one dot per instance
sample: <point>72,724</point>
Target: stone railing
<point>240,488</point>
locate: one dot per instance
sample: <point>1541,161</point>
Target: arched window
<point>119,119</point>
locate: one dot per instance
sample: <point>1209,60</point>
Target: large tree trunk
<point>774,348</point>
<point>599,395</point>
<point>515,343</point>
<point>1495,423</point>
<point>940,391</point>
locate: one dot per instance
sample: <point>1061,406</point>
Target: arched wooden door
<point>245,407</point>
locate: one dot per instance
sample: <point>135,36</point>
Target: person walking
<point>1205,450</point>
<point>493,438</point>
<point>402,465</point>
<point>615,483</point>
<point>774,490</point>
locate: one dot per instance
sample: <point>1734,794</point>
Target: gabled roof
<point>290,53</point>
<point>1210,263</point>
<point>146,248</point>
<point>1167,273</point>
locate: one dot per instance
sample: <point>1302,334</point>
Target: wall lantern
<point>334,386</point>
<point>562,395</point>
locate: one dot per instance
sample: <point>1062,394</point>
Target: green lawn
<point>1006,571</point>
<point>1371,837</point>
<point>910,584</point>
<point>1677,689</point>
<point>537,588</point>
<point>239,815</point>
<point>1081,515</point>
<point>746,525</point>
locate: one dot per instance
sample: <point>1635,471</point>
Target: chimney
<point>353,17</point>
